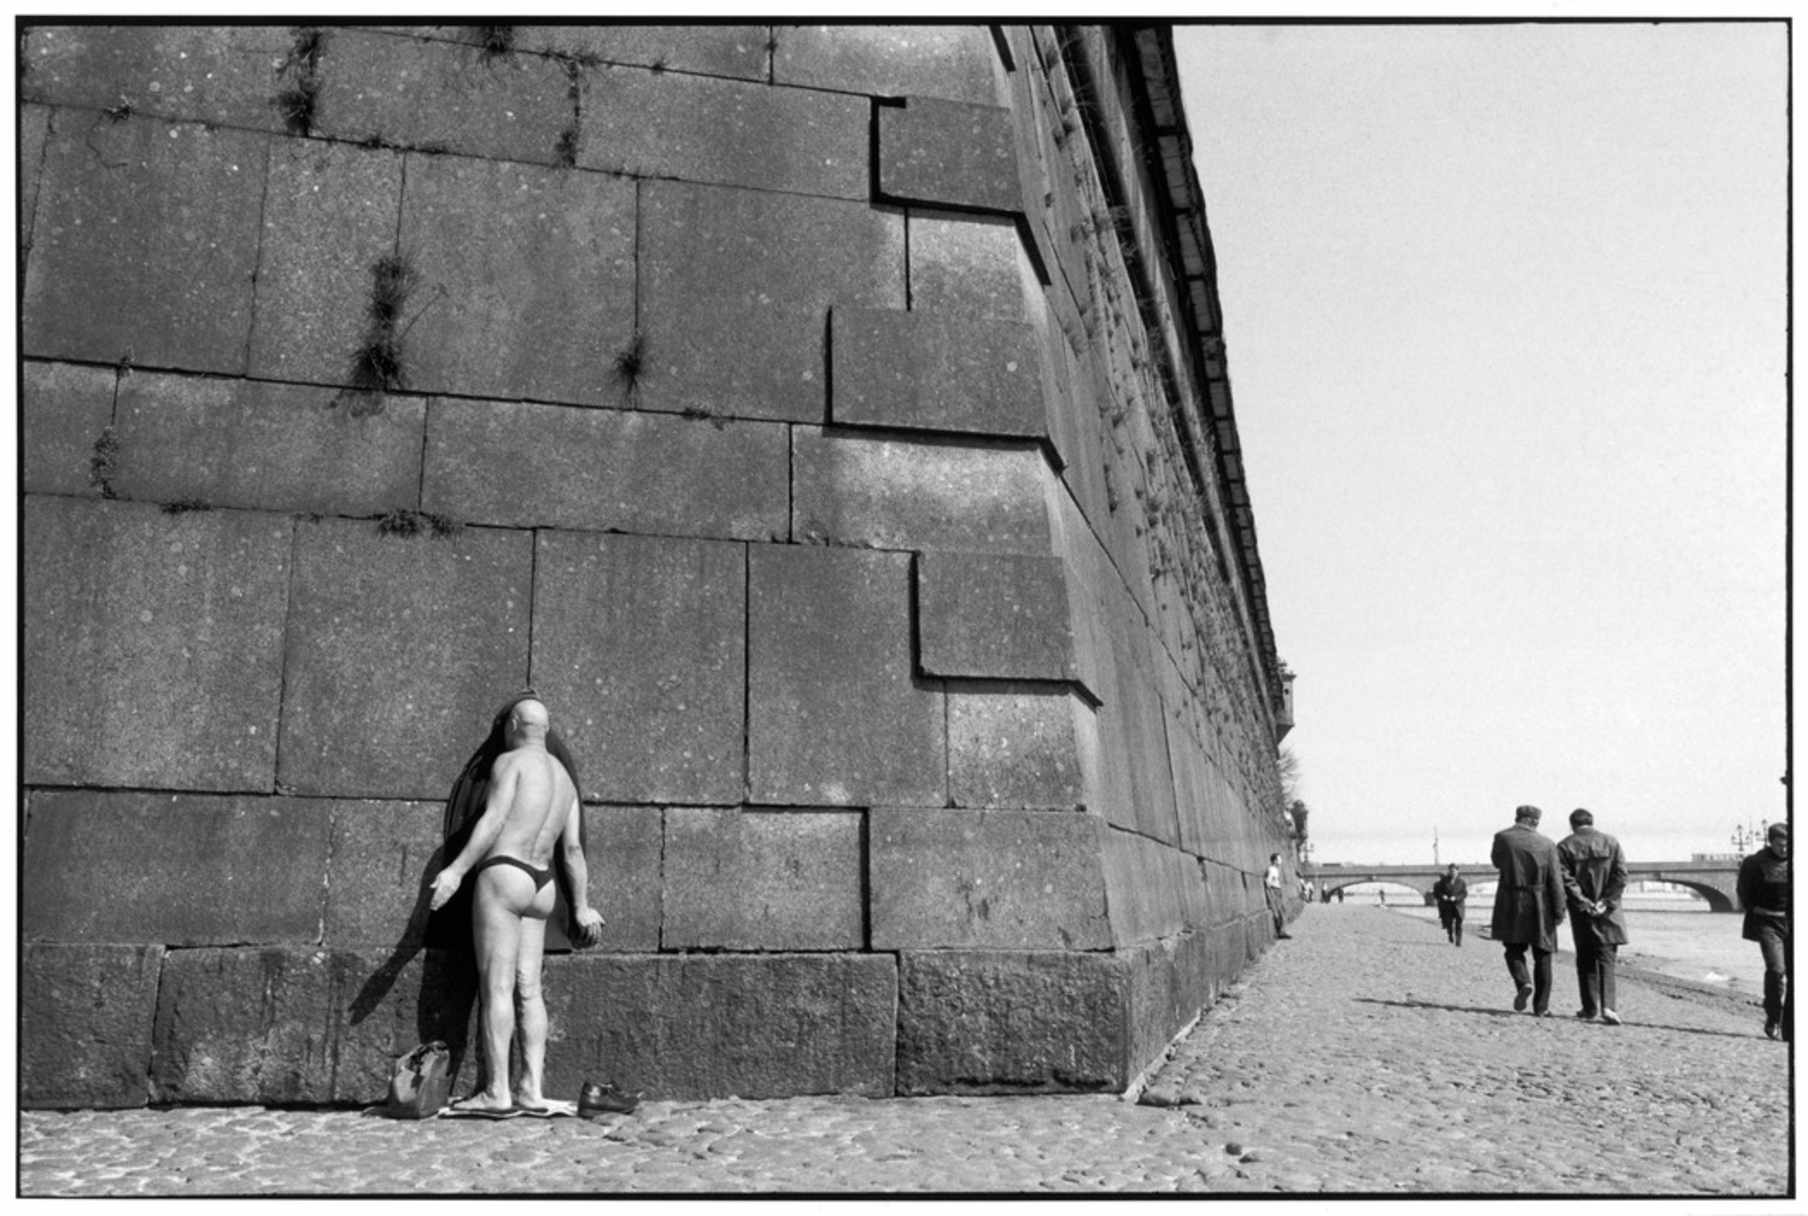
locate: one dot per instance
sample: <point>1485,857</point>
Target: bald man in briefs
<point>532,806</point>
<point>1528,906</point>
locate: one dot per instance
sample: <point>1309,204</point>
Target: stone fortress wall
<point>829,422</point>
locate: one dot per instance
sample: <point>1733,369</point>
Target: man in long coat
<point>1452,894</point>
<point>1528,906</point>
<point>1764,894</point>
<point>1594,878</point>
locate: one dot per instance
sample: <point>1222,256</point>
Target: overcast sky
<point>1504,311</point>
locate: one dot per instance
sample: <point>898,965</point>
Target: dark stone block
<point>144,247</point>
<point>1014,748</point>
<point>554,466</point>
<point>762,1026</point>
<point>224,74</point>
<point>1027,880</point>
<point>152,645</point>
<point>626,860</point>
<point>992,615</point>
<point>644,645</point>
<point>398,648</point>
<point>85,1015</point>
<point>835,716</point>
<point>1010,1022</point>
<point>949,153</point>
<point>274,447</point>
<point>176,869</point>
<point>524,280</point>
<point>970,265</point>
<point>935,371</point>
<point>763,880</point>
<point>381,857</point>
<point>738,51</point>
<point>955,61</point>
<point>698,129</point>
<point>66,407</point>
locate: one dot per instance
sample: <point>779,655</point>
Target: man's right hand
<point>445,886</point>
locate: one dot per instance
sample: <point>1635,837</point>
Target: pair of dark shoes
<point>595,1100</point>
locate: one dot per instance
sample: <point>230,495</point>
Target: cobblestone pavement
<point>1364,1055</point>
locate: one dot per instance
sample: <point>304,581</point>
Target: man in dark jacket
<point>1528,906</point>
<point>1452,893</point>
<point>1594,879</point>
<point>1764,894</point>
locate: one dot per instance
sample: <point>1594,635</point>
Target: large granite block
<point>274,447</point>
<point>525,465</point>
<point>958,879</point>
<point>640,652</point>
<point>994,615</point>
<point>949,154</point>
<point>381,856</point>
<point>738,51</point>
<point>763,880</point>
<point>524,280</point>
<point>65,407</point>
<point>735,290</point>
<point>995,1021</point>
<point>416,93</point>
<point>1150,887</point>
<point>970,265</point>
<point>218,74</point>
<point>176,869</point>
<point>85,1015</point>
<point>1171,982</point>
<point>625,858</point>
<point>760,1026</point>
<point>329,218</point>
<point>397,648</point>
<point>934,371</point>
<point>896,494</point>
<point>144,247</point>
<point>34,130</point>
<point>834,715</point>
<point>1013,747</point>
<point>294,1025</point>
<point>152,645</point>
<point>956,61</point>
<point>699,129</point>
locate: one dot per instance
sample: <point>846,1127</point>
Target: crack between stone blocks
<point>282,675</point>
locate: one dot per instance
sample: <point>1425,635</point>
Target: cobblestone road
<point>1364,1055</point>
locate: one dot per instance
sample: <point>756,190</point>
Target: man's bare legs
<point>508,924</point>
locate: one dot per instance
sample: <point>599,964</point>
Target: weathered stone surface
<point>895,494</point>
<point>524,281</point>
<point>949,153</point>
<point>1171,981</point>
<point>970,265</point>
<point>145,243</point>
<point>1151,888</point>
<point>934,371</point>
<point>276,447</point>
<point>697,129</point>
<point>220,74</point>
<point>66,406</point>
<point>735,290</point>
<point>283,1025</point>
<point>416,93</point>
<point>835,715</point>
<point>640,652</point>
<point>152,645</point>
<point>84,1025</point>
<point>947,879</point>
<point>34,129</point>
<point>990,1021</point>
<point>380,858</point>
<point>755,1026</point>
<point>715,50</point>
<point>1013,748</point>
<point>528,465</point>
<point>954,61</point>
<point>626,847</point>
<point>176,869</point>
<point>397,648</point>
<point>329,218</point>
<point>996,615</point>
<point>763,880</point>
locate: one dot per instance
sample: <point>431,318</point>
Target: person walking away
<point>1272,887</point>
<point>1528,906</point>
<point>1452,893</point>
<point>1594,879</point>
<point>1764,894</point>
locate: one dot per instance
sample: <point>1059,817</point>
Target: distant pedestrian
<point>1528,906</point>
<point>1272,887</point>
<point>1764,894</point>
<point>1452,893</point>
<point>1340,895</point>
<point>1594,878</point>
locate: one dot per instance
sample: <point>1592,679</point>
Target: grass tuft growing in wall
<point>103,463</point>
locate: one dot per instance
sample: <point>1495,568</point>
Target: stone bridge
<point>1714,881</point>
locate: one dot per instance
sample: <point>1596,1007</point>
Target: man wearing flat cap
<point>1528,906</point>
